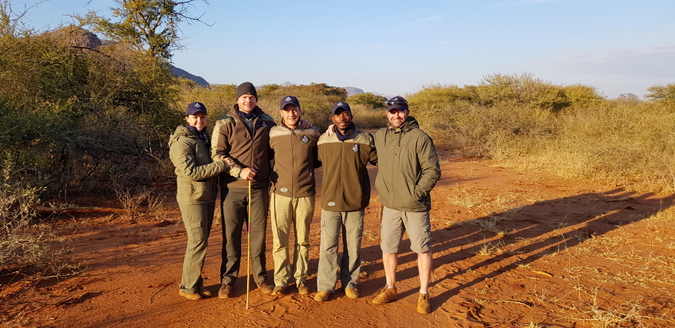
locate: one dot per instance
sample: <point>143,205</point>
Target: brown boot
<point>423,305</point>
<point>279,291</point>
<point>265,287</point>
<point>191,297</point>
<point>321,296</point>
<point>303,289</point>
<point>351,293</point>
<point>386,295</point>
<point>225,291</point>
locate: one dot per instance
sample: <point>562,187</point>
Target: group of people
<point>263,167</point>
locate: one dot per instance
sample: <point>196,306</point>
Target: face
<point>342,119</point>
<point>247,103</point>
<point>291,115</point>
<point>397,117</point>
<point>198,120</point>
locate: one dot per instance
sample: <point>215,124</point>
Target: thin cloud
<point>654,63</point>
<point>426,19</point>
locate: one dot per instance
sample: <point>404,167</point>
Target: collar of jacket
<point>350,130</point>
<point>257,111</point>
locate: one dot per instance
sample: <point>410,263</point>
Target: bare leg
<point>390,261</point>
<point>424,267</point>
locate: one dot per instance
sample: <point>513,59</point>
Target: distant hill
<point>352,91</point>
<point>75,36</point>
<point>183,73</point>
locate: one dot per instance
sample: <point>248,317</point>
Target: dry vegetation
<point>76,122</point>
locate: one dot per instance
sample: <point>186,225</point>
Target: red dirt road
<point>511,249</point>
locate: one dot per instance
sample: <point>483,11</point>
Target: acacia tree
<point>151,26</point>
<point>662,93</point>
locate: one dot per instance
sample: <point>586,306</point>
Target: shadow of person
<point>497,243</point>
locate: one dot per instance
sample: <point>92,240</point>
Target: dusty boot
<point>386,295</point>
<point>423,305</point>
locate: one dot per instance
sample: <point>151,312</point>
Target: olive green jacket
<point>345,185</point>
<point>408,167</point>
<point>196,173</point>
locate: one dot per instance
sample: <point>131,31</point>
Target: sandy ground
<point>511,249</point>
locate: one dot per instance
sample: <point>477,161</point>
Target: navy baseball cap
<point>289,100</point>
<point>194,108</point>
<point>398,103</point>
<point>342,105</point>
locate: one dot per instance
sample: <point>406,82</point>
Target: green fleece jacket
<point>408,167</point>
<point>295,158</point>
<point>345,185</point>
<point>196,173</point>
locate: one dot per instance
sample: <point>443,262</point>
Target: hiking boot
<point>321,296</point>
<point>303,289</point>
<point>423,305</point>
<point>265,287</point>
<point>191,297</point>
<point>225,291</point>
<point>278,291</point>
<point>386,295</point>
<point>352,293</point>
<point>204,292</point>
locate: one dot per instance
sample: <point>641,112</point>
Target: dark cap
<point>289,100</point>
<point>246,88</point>
<point>342,105</point>
<point>194,108</point>
<point>398,103</point>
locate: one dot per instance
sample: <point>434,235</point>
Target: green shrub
<point>368,100</point>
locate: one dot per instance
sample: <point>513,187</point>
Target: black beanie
<point>246,88</point>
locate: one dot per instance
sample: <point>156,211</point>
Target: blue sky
<point>399,47</point>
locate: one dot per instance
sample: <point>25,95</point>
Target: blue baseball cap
<point>397,103</point>
<point>342,105</point>
<point>194,108</point>
<point>289,100</point>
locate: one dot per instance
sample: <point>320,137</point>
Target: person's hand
<point>228,160</point>
<point>247,173</point>
<point>305,124</point>
<point>330,131</point>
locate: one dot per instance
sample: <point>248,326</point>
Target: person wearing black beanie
<point>242,138</point>
<point>246,88</point>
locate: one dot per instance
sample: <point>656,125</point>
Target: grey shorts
<point>394,223</point>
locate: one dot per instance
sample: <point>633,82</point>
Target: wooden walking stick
<point>248,242</point>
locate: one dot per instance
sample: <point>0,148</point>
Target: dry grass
<point>491,249</point>
<point>133,201</point>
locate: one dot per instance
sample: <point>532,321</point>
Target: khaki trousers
<point>290,215</point>
<point>197,220</point>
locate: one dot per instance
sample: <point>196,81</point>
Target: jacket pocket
<point>202,191</point>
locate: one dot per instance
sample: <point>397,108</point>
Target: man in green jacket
<point>407,171</point>
<point>242,139</point>
<point>345,190</point>
<point>292,194</point>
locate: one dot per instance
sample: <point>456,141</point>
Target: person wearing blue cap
<point>407,172</point>
<point>345,192</point>
<point>292,195</point>
<point>197,187</point>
